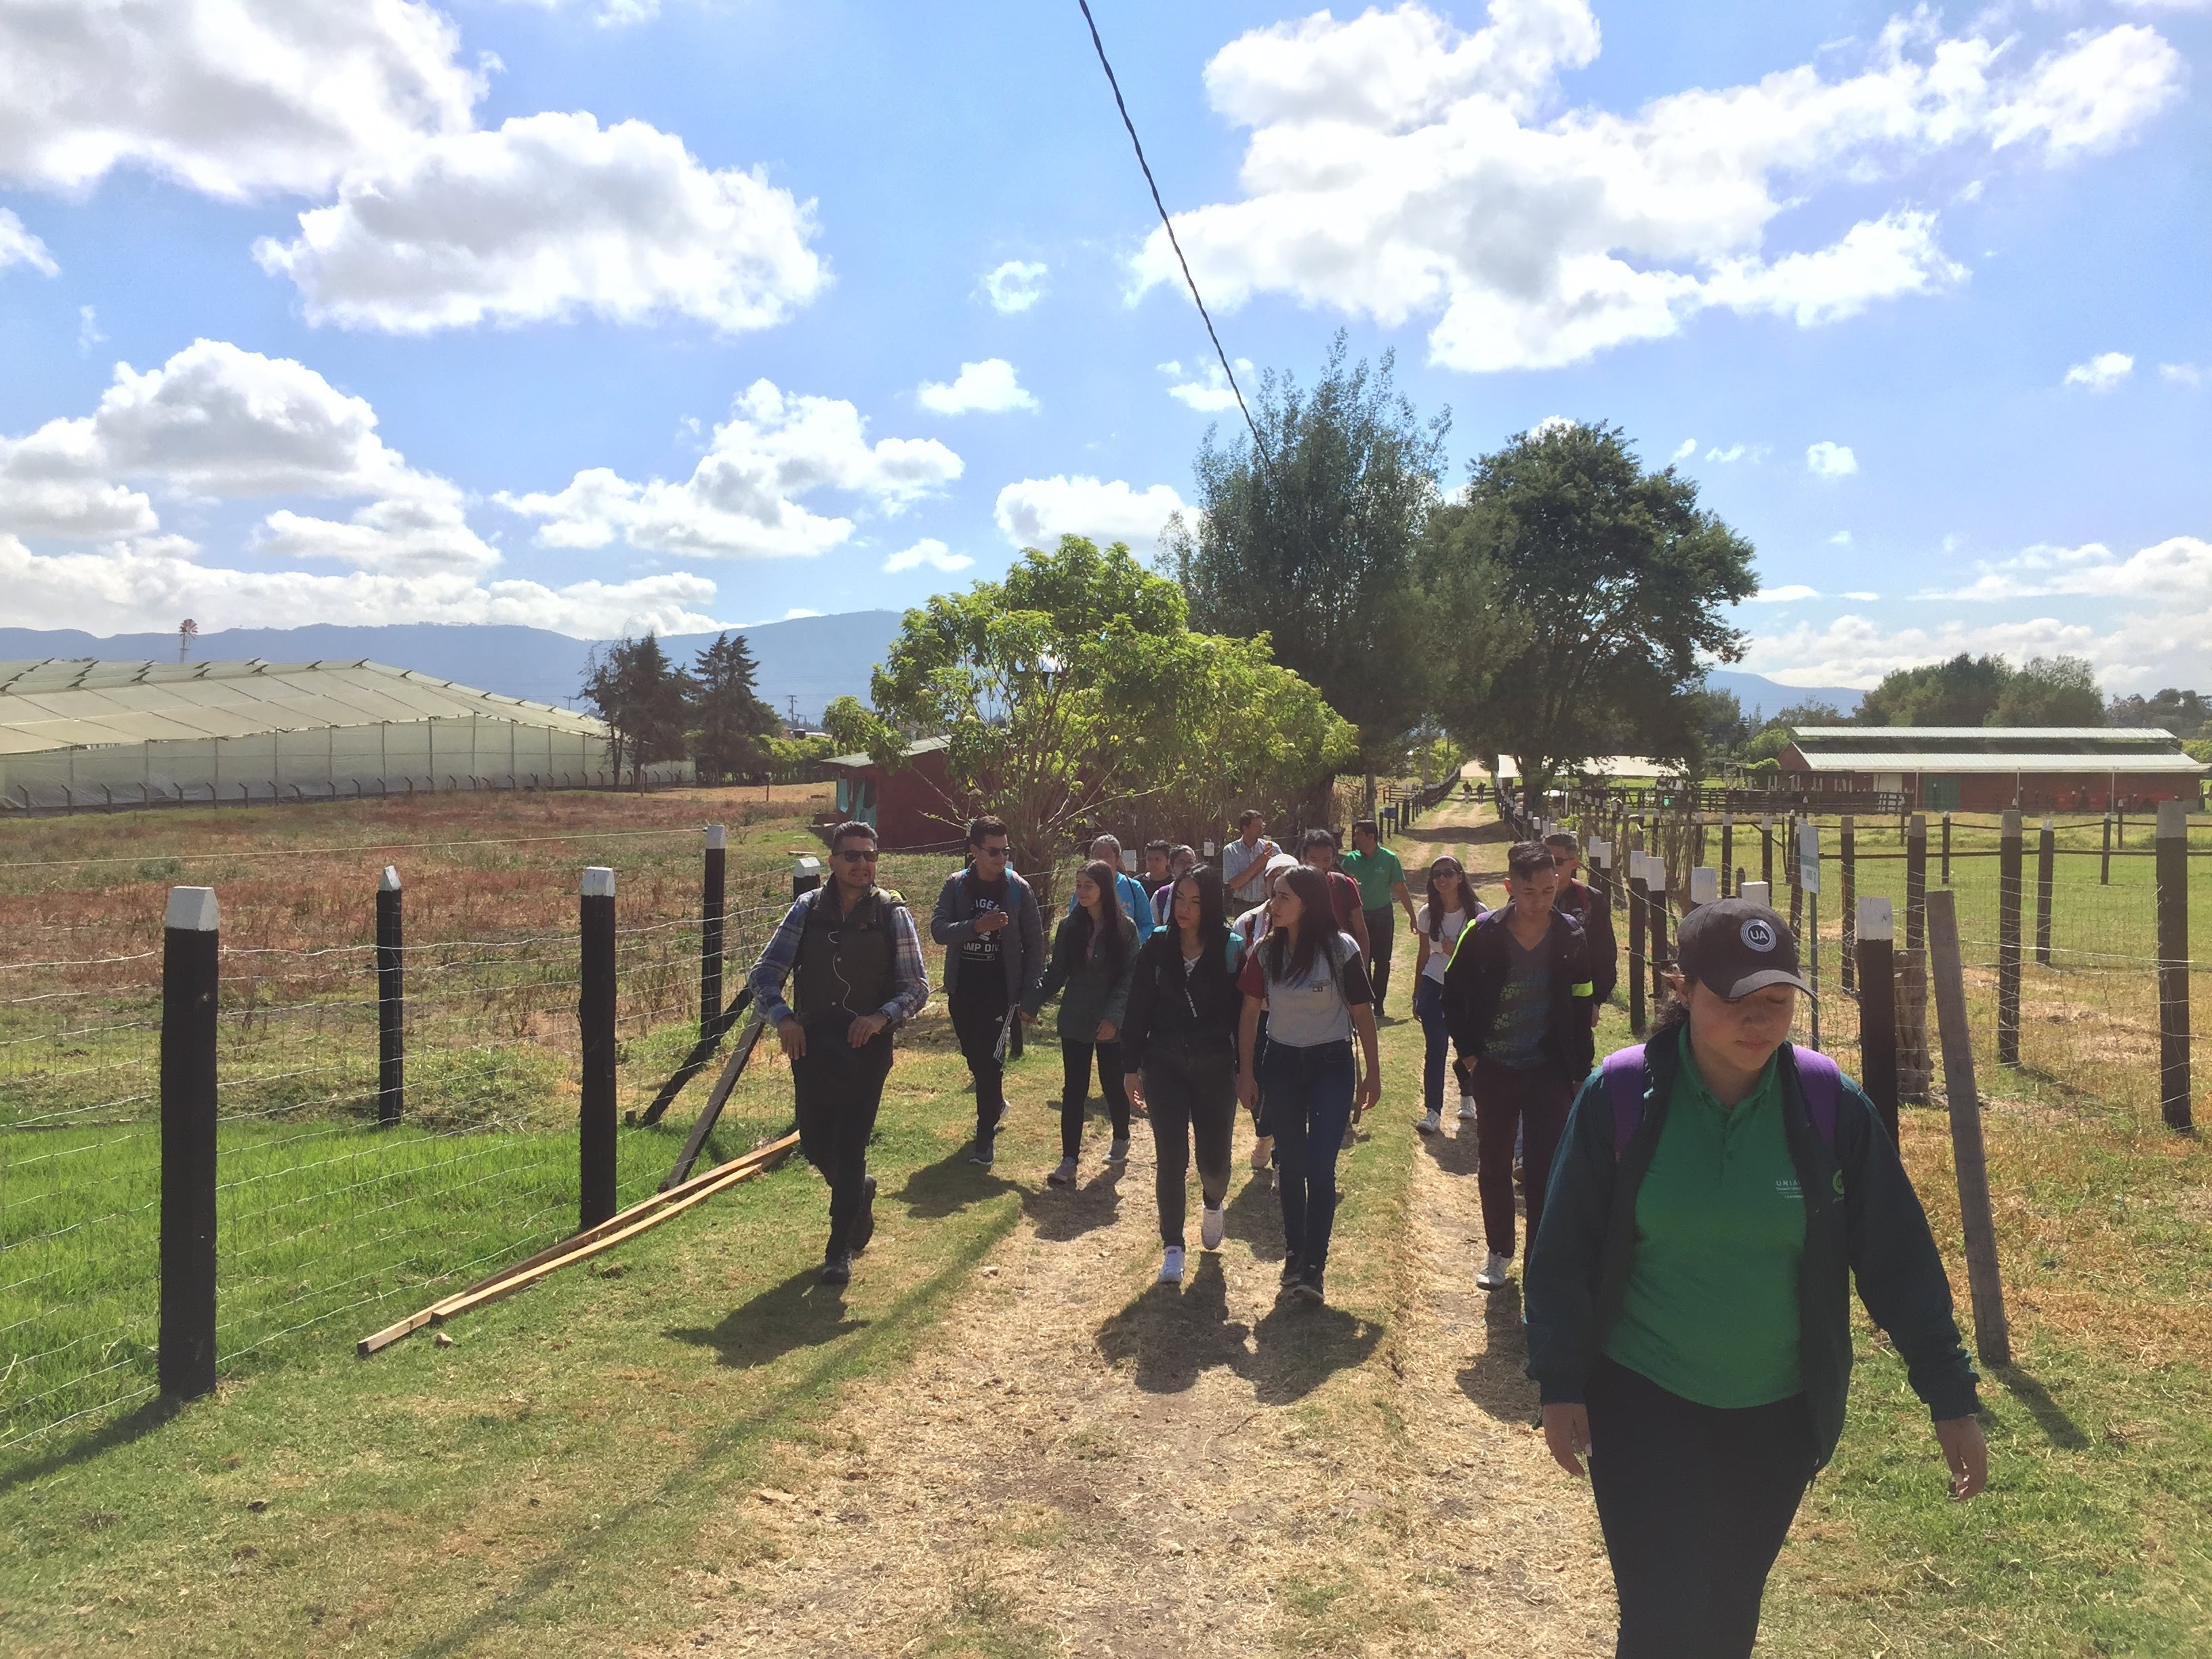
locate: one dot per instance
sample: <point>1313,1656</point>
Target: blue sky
<point>604,314</point>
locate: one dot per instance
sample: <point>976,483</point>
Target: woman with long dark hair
<point>1179,1043</point>
<point>1092,956</point>
<point>1310,979</point>
<point>1443,916</point>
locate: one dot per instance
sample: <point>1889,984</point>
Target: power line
<point>1259,444</point>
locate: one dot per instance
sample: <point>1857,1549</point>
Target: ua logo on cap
<point>1759,934</point>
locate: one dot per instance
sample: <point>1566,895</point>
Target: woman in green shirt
<point>1715,1194</point>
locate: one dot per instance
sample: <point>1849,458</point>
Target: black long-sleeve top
<point>1199,1007</point>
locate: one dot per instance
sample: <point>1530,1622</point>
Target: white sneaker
<point>1493,1275</point>
<point>1171,1266</point>
<point>1263,1151</point>
<point>1119,1152</point>
<point>1065,1174</point>
<point>1467,1108</point>
<point>1431,1123</point>
<point>1212,1224</point>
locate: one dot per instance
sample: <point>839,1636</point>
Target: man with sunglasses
<point>988,921</point>
<point>851,949</point>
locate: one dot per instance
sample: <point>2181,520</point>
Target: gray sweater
<point>1021,941</point>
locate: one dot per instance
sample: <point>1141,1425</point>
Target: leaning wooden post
<point>712,900</point>
<point>1874,936</point>
<point>595,1143</point>
<point>1992,1341</point>
<point>1849,896</point>
<point>2010,846</point>
<point>191,978</point>
<point>390,1002</point>
<point>2046,861</point>
<point>1639,908</point>
<point>2173,963</point>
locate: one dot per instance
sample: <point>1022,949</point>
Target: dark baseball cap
<point>1734,947</point>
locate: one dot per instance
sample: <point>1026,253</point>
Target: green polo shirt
<point>1710,1309</point>
<point>1377,874</point>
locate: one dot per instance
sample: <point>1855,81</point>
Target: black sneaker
<point>837,1269</point>
<point>864,1226</point>
<point>1307,1289</point>
<point>984,1151</point>
<point>1290,1272</point>
<point>999,1121</point>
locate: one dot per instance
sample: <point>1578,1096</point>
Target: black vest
<point>846,961</point>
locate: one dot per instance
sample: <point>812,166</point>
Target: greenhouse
<point>79,734</point>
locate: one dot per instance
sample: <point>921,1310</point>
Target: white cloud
<point>1551,423</point>
<point>1841,538</point>
<point>989,386</point>
<point>235,98</point>
<point>1397,167</point>
<point>1789,595</point>
<point>545,217</point>
<point>1734,452</point>
<point>18,246</point>
<point>1683,451</point>
<point>741,501</point>
<point>1038,512</point>
<point>1827,460</point>
<point>1859,596</point>
<point>927,551</point>
<point>2186,374</point>
<point>796,612</point>
<point>1015,286</point>
<point>2178,568</point>
<point>1208,391</point>
<point>88,329</point>
<point>2102,372</point>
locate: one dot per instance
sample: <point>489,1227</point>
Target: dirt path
<point>1086,1462</point>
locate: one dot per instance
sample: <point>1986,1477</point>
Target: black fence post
<point>391,1001</point>
<point>1767,851</point>
<point>2173,963</point>
<point>2046,861</point>
<point>1638,907</point>
<point>2105,868</point>
<point>1849,897</point>
<point>1946,850</point>
<point>1728,853</point>
<point>2011,849</point>
<point>191,978</point>
<point>1793,854</point>
<point>805,874</point>
<point>711,905</point>
<point>1655,889</point>
<point>1874,929</point>
<point>595,1139</point>
<point>1916,881</point>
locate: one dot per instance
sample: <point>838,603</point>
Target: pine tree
<point>731,721</point>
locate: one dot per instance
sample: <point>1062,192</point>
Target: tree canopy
<point>644,699</point>
<point>1987,691</point>
<point>731,726</point>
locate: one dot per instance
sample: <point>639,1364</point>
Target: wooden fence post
<point>191,959</point>
<point>1946,850</point>
<point>1704,887</point>
<point>2173,963</point>
<point>2011,849</point>
<point>2046,861</point>
<point>1637,910</point>
<point>391,1001</point>
<point>713,904</point>
<point>595,1141</point>
<point>2104,866</point>
<point>805,874</point>
<point>1727,851</point>
<point>1767,850</point>
<point>1849,900</point>
<point>1794,853</point>
<point>1874,937</point>
<point>1806,866</point>
<point>1655,883</point>
<point>1992,1341</point>
<point>1916,883</point>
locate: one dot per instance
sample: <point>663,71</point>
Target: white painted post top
<point>1876,920</point>
<point>1601,853</point>
<point>1766,820</point>
<point>2009,825</point>
<point>2050,824</point>
<point>807,864</point>
<point>1920,824</point>
<point>1655,872</point>
<point>1705,885</point>
<point>1209,849</point>
<point>389,881</point>
<point>1728,817</point>
<point>1759,892</point>
<point>2172,820</point>
<point>192,910</point>
<point>599,882</point>
<point>718,838</point>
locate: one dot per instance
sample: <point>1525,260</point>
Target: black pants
<point>838,1089</point>
<point>1695,1502</point>
<point>1382,941</point>
<point>1532,1105</point>
<point>979,1014</point>
<point>1075,1090</point>
<point>1192,1092</point>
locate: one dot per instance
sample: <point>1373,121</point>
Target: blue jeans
<point>1428,1009</point>
<point>1309,1094</point>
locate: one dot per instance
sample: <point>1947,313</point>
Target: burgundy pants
<point>1534,1104</point>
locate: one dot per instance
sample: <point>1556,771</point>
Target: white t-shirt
<point>1439,951</point>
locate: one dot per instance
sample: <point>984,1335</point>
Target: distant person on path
<point>1179,1043</point>
<point>1517,993</point>
<point>1093,954</point>
<point>1136,904</point>
<point>1450,904</point>
<point>1181,861</point>
<point>1689,1295</point>
<point>1308,976</point>
<point>1247,931</point>
<point>1245,858</point>
<point>1317,851</point>
<point>1382,882</point>
<point>851,948</point>
<point>1578,899</point>
<point>988,921</point>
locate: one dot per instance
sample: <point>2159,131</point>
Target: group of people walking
<point>1697,1208</point>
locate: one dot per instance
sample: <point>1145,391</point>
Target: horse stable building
<point>1991,769</point>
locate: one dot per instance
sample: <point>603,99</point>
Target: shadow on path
<point>1172,1334</point>
<point>802,1312</point>
<point>1496,1378</point>
<point>2062,1430</point>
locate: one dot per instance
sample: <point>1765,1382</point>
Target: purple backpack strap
<point>1821,1082</point>
<point>1624,1087</point>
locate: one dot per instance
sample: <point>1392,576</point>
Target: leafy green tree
<point>644,699</point>
<point>1611,584</point>
<point>2186,713</point>
<point>731,724</point>
<point>1316,543</point>
<point>1773,736</point>
<point>850,727</point>
<point>1963,692</point>
<point>2050,691</point>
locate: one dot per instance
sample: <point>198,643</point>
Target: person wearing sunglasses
<point>988,921</point>
<point>851,955</point>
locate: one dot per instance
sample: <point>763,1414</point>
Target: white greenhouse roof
<point>2097,734</point>
<point>77,702</point>
<point>2165,761</point>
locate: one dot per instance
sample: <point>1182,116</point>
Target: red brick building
<point>1990,769</point>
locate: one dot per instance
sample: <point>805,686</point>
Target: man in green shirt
<point>1381,881</point>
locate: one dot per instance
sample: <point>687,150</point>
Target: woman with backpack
<point>1309,979</point>
<point>1245,934</point>
<point>1179,1043</point>
<point>1093,954</point>
<point>1443,915</point>
<point>1715,1194</point>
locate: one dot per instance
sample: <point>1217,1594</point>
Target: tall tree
<point>1963,692</point>
<point>1611,584</point>
<point>2051,691</point>
<point>1314,544</point>
<point>643,698</point>
<point>730,723</point>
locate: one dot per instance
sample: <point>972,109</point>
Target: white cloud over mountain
<point>1400,167</point>
<point>1038,512</point>
<point>989,387</point>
